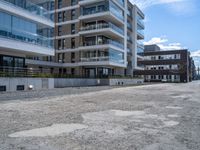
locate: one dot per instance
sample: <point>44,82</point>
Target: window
<point>52,7</point>
<point>60,17</point>
<point>72,71</point>
<point>60,70</point>
<point>63,43</point>
<point>59,4</point>
<point>73,14</point>
<point>129,12</point>
<point>72,28</point>
<point>72,57</point>
<point>61,57</point>
<point>64,16</point>
<point>8,61</point>
<point>64,71</point>
<point>73,2</point>
<point>73,43</point>
<point>59,44</point>
<point>18,62</point>
<point>2,88</point>
<point>59,30</point>
<point>20,87</point>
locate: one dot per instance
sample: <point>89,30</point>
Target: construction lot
<point>149,117</point>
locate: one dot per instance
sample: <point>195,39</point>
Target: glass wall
<point>20,29</point>
<point>116,56</point>
<point>36,7</point>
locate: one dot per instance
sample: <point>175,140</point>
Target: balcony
<point>25,37</point>
<point>102,56</point>
<point>23,42</point>
<point>140,48</point>
<point>140,34</point>
<point>108,28</point>
<point>120,2</point>
<point>27,10</point>
<point>104,13</point>
<point>102,45</point>
<point>31,7</point>
<point>86,2</point>
<point>95,59</point>
<point>140,22</point>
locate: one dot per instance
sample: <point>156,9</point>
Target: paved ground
<point>152,117</point>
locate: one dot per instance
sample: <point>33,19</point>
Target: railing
<point>95,59</point>
<point>112,42</point>
<point>31,7</point>
<point>140,32</point>
<point>98,59</point>
<point>94,11</point>
<point>46,73</point>
<point>140,44</point>
<point>103,26</point>
<point>27,37</point>
<point>105,9</point>
<point>121,2</point>
<point>140,22</point>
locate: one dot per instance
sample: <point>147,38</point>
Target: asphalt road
<point>149,117</point>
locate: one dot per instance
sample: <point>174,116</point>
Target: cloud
<point>178,7</point>
<point>162,43</point>
<point>196,57</point>
<point>156,40</point>
<point>195,53</point>
<point>148,3</point>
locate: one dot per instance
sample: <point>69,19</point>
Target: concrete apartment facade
<point>167,66</point>
<point>95,38</point>
<point>26,30</point>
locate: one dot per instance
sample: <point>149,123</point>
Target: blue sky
<point>172,24</point>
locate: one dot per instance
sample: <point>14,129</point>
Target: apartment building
<point>26,30</point>
<point>96,38</point>
<point>167,66</point>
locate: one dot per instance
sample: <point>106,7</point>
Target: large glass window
<point>116,56</point>
<point>11,61</point>
<point>8,61</point>
<point>18,62</point>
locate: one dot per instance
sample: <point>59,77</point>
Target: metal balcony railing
<point>103,26</point>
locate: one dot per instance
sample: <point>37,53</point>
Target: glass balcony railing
<point>140,22</point>
<point>106,58</point>
<point>31,7</point>
<point>27,38</point>
<point>140,44</point>
<point>95,59</point>
<point>140,50</point>
<point>121,2</point>
<point>112,42</point>
<point>90,11</point>
<point>111,7</point>
<point>140,32</point>
<point>103,26</point>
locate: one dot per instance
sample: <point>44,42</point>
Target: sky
<point>172,24</point>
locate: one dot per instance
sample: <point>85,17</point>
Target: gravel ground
<point>150,117</point>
